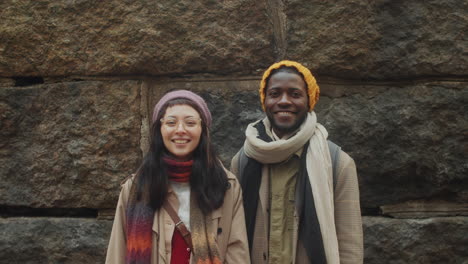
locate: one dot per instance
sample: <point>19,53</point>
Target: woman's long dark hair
<point>208,180</point>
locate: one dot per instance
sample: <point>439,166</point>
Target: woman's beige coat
<point>228,223</point>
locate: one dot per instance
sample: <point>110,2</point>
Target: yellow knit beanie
<point>313,90</point>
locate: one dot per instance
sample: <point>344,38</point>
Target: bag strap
<point>335,156</point>
<point>179,225</point>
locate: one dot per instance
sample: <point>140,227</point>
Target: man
<point>300,191</point>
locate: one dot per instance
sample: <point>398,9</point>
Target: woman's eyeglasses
<point>187,123</point>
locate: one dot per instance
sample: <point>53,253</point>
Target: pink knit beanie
<point>205,112</point>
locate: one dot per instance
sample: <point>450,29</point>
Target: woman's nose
<point>180,128</point>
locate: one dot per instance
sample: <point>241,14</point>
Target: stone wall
<point>78,80</point>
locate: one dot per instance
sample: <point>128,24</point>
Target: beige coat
<point>348,221</point>
<point>228,222</point>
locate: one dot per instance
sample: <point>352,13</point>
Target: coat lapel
<point>163,228</point>
<point>159,243</point>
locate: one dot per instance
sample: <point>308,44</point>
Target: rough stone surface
<point>356,39</point>
<point>53,240</point>
<point>4,82</point>
<point>55,38</point>
<point>408,140</point>
<point>381,39</point>
<point>434,240</point>
<point>68,145</point>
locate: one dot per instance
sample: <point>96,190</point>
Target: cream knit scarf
<point>319,170</point>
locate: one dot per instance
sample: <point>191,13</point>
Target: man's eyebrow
<point>273,88</point>
<point>278,88</point>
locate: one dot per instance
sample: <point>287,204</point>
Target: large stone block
<point>434,240</point>
<point>53,240</point>
<point>409,141</point>
<point>381,39</point>
<point>55,38</point>
<point>68,145</point>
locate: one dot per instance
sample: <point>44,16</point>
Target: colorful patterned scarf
<point>140,218</point>
<point>139,232</point>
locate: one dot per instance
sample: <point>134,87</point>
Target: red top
<point>180,250</point>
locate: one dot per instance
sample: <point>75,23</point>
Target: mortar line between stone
<point>278,21</point>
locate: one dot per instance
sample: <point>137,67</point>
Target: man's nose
<point>284,99</point>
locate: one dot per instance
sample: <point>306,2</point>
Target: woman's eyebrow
<point>189,116</point>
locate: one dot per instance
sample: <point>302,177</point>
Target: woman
<point>180,173</point>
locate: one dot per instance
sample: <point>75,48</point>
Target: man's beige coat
<point>347,213</point>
